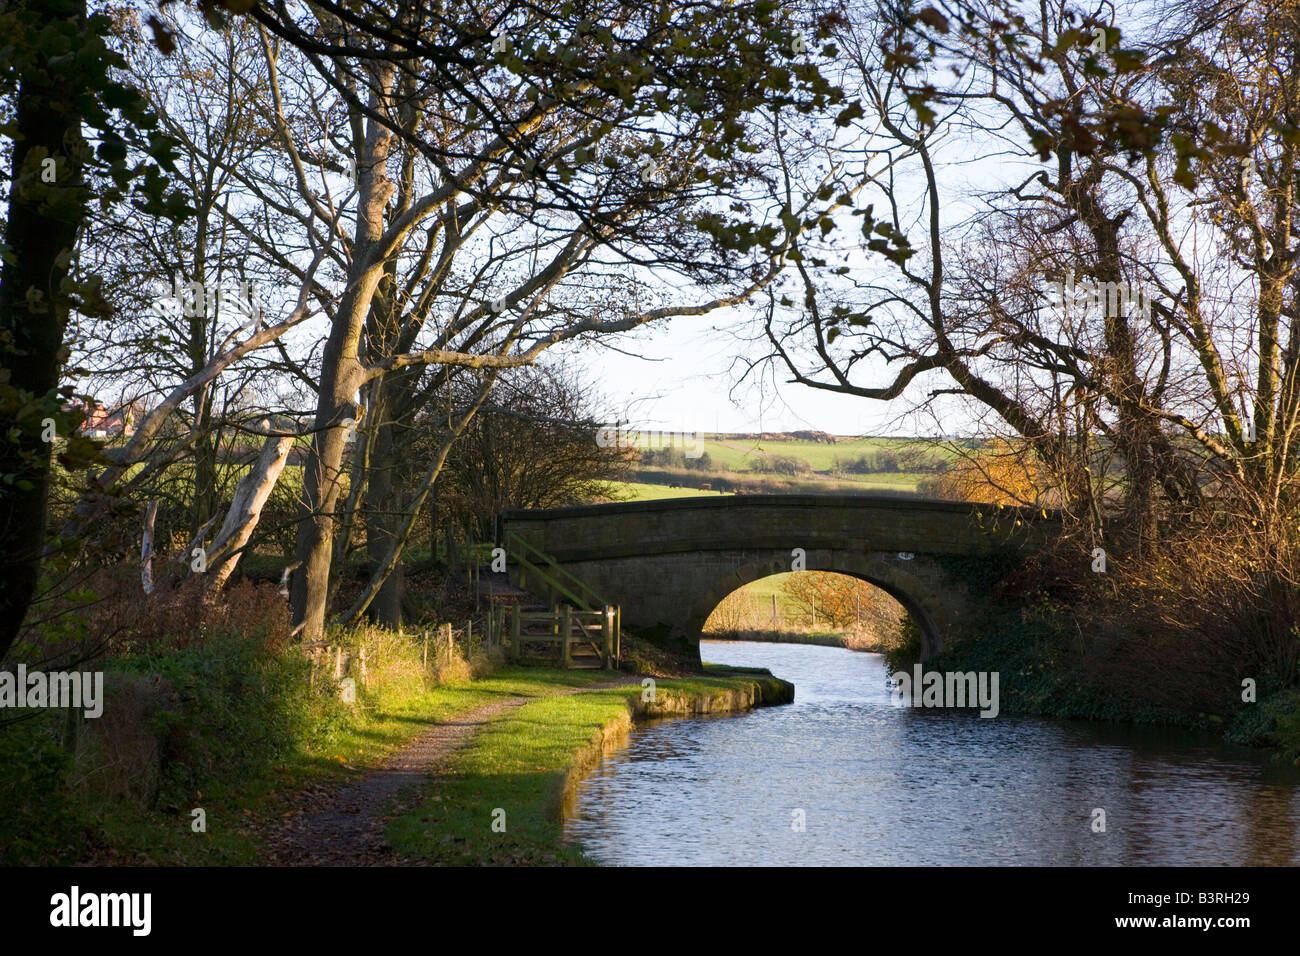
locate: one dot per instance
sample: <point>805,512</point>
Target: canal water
<point>843,776</point>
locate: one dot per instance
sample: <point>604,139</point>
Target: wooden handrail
<point>554,585</point>
<point>589,600</point>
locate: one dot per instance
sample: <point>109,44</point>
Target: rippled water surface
<point>880,784</point>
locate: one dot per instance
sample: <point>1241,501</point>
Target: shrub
<point>177,615</point>
<point>781,465</point>
<point>838,599</point>
<point>238,707</point>
<point>1273,722</point>
<point>38,815</point>
<point>671,457</point>
<point>734,614</point>
<point>905,648</point>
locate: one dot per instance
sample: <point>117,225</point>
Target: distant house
<point>102,423</point>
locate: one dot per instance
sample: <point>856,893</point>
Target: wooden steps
<point>566,623</point>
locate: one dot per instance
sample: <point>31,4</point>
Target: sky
<point>685,377</point>
<point>688,374</point>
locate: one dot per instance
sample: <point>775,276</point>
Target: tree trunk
<point>205,458</point>
<point>146,548</point>
<point>43,219</point>
<point>205,449</point>
<point>341,376</point>
<point>241,520</point>
<point>381,517</point>
<point>358,470</point>
<point>453,556</point>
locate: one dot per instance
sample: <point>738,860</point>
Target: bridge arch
<point>897,578</point>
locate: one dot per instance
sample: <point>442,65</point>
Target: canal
<point>844,776</point>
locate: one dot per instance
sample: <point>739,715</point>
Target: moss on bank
<point>1273,723</point>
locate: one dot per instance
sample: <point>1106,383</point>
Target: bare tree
<point>536,445</point>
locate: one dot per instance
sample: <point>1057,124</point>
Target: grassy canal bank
<point>502,799</point>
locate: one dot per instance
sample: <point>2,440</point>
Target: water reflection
<point>884,785</point>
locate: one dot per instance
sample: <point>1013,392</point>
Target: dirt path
<point>345,826</point>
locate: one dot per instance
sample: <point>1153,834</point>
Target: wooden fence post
<point>607,632</point>
<point>514,633</point>
<point>446,630</point>
<point>565,619</point>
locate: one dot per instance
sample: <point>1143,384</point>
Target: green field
<point>659,491</point>
<point>739,454</point>
<point>639,491</point>
<point>764,588</point>
<point>884,480</point>
<point>740,460</point>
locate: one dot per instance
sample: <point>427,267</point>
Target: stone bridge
<point>669,563</point>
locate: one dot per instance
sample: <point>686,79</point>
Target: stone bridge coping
<point>888,501</point>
